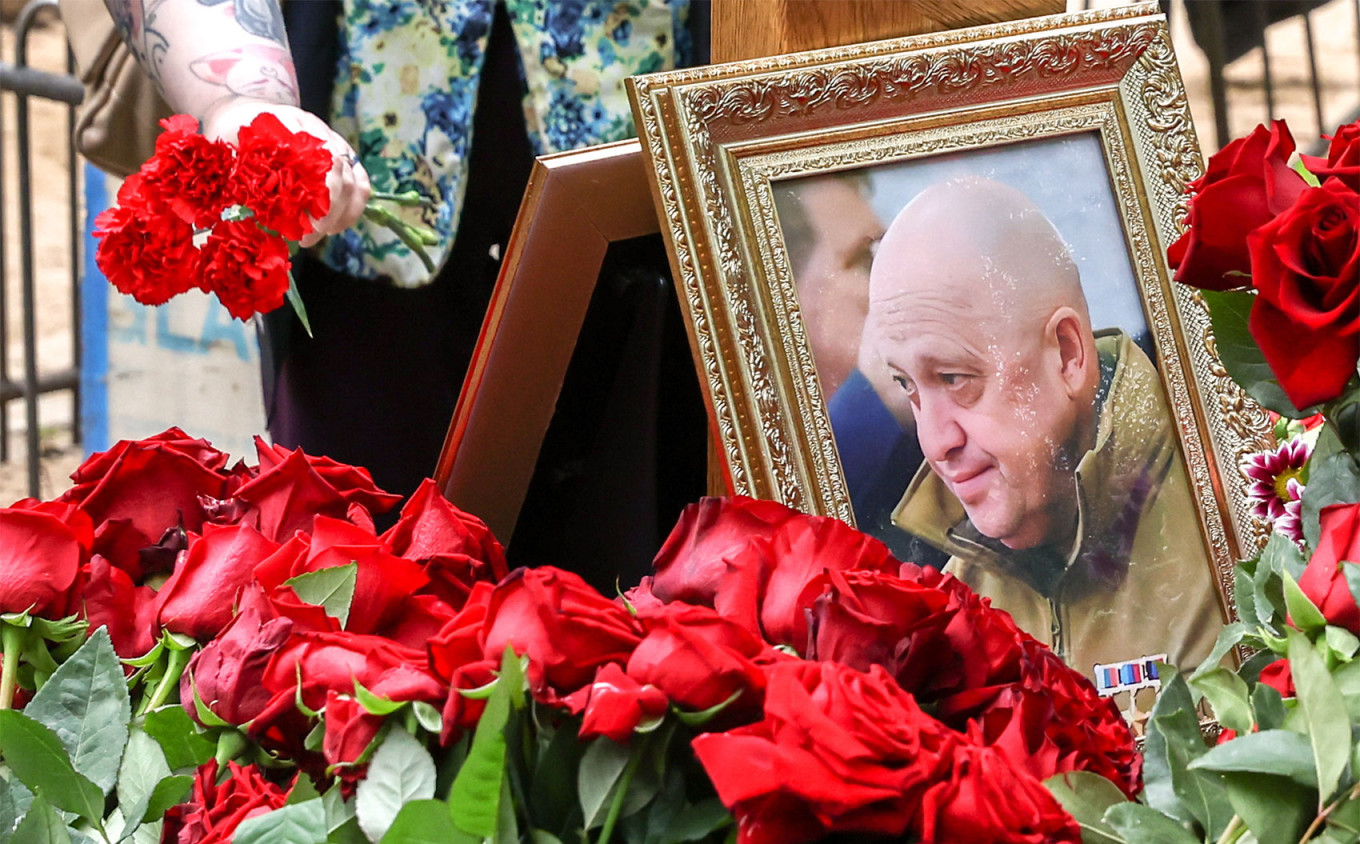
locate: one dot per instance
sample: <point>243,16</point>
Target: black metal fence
<point>24,84</point>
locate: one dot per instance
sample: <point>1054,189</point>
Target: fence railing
<point>24,84</point>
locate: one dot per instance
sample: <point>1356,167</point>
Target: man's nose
<point>938,428</point>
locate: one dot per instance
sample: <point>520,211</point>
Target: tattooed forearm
<point>260,18</point>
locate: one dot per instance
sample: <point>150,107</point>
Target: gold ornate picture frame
<point>737,152</point>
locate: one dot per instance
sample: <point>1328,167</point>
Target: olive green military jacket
<point>1137,581</point>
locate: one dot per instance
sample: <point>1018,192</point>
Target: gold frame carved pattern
<point>717,137</point>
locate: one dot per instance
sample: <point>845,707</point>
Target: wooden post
<point>747,29</point>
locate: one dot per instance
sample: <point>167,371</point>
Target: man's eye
<point>905,383</point>
<point>953,379</point>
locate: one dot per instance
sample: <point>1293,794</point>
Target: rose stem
<point>12,641</point>
<point>617,806</point>
<point>169,680</point>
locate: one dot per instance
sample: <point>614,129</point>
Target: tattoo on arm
<point>261,18</point>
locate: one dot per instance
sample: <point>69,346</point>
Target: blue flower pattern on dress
<point>406,89</point>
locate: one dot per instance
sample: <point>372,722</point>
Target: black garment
<point>377,383</point>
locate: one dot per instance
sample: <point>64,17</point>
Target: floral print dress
<point>407,84</point>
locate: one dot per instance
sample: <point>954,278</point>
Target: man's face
<point>992,415</point>
<point>833,280</point>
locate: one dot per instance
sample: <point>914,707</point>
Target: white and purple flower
<point>1277,479</point>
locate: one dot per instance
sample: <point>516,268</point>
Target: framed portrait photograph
<point>927,293</point>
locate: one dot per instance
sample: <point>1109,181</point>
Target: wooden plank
<point>745,29</point>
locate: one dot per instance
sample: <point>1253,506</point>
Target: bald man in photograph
<point>1052,475</point>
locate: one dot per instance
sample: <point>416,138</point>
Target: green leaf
<point>1268,707</point>
<point>474,799</point>
<point>295,300</point>
<point>1228,638</point>
<point>1324,713</point>
<point>184,744</point>
<point>332,589</point>
<point>1227,694</point>
<point>1302,170</point>
<point>15,799</point>
<point>1346,817</point>
<point>1341,642</point>
<point>300,823</point>
<point>1303,613</point>
<point>1351,572</point>
<point>702,717</point>
<point>37,758</point>
<point>601,767</point>
<point>1229,313</point>
<point>86,704</point>
<point>428,717</point>
<point>1279,752</point>
<point>1279,556</point>
<point>401,770</point>
<point>1173,741</point>
<point>143,768</point>
<point>552,788</point>
<point>169,792</point>
<point>1333,478</point>
<point>1086,797</point>
<point>426,822</point>
<point>42,825</point>
<point>1146,825</point>
<point>1273,808</point>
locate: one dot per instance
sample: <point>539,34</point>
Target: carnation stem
<point>174,668</point>
<point>12,641</point>
<point>617,805</point>
<point>409,197</point>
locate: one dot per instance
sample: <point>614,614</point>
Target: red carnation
<point>246,267</point>
<point>145,252</point>
<point>281,176</point>
<point>190,173</point>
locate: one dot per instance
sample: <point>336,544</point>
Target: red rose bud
<point>350,729</point>
<point>1246,184</point>
<point>228,674</point>
<point>987,800</point>
<point>1305,264</point>
<point>562,624</point>
<point>293,488</point>
<point>111,600</point>
<point>214,810</point>
<point>693,563</point>
<point>1343,157</point>
<point>1278,676</point>
<point>1323,581</point>
<point>838,751</point>
<point>430,529</point>
<point>615,704</point>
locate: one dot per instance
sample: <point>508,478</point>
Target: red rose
<point>1246,184</point>
<point>1278,676</point>
<point>456,549</point>
<point>216,809</point>
<point>245,267</point>
<point>190,173</point>
<point>292,489</point>
<point>869,618</point>
<point>199,599</point>
<point>564,626</point>
<point>693,562</point>
<point>40,555</point>
<point>799,551</point>
<point>139,489</point>
<point>281,176</point>
<point>228,674</point>
<point>1343,157</point>
<point>699,659</point>
<point>145,252</point>
<point>111,600</point>
<point>615,704</point>
<point>350,729</point>
<point>986,800</point>
<point>1305,264</point>
<point>1323,581</point>
<point>837,751</point>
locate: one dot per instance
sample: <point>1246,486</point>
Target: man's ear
<point>1076,351</point>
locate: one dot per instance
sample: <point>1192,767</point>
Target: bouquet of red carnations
<point>202,653</point>
<point>223,218</point>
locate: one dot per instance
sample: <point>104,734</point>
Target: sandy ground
<point>1334,26</point>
